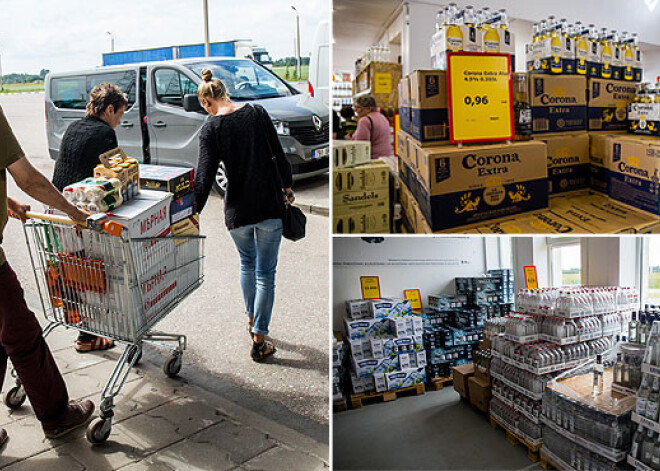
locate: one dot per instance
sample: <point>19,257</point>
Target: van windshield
<point>244,79</point>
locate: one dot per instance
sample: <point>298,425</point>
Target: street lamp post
<point>297,41</point>
<point>207,46</point>
<point>112,41</point>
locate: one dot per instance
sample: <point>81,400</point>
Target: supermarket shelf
<point>558,463</point>
<point>623,390</point>
<point>647,423</point>
<point>520,389</point>
<point>529,416</point>
<point>608,453</point>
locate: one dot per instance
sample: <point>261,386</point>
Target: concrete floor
<point>433,431</point>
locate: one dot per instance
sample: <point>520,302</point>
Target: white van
<point>163,119</point>
<point>319,64</point>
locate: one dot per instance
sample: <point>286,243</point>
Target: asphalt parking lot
<point>292,389</point>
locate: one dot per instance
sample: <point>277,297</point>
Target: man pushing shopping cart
<point>21,338</point>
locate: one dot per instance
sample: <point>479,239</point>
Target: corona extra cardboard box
<point>600,155</point>
<point>540,222</point>
<point>600,215</point>
<point>456,186</point>
<point>607,107</point>
<point>568,161</point>
<point>635,172</point>
<point>559,103</point>
<point>428,106</point>
<point>404,104</point>
<point>644,119</point>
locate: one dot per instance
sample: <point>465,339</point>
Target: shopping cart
<point>96,279</point>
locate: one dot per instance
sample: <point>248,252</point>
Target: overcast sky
<point>63,35</point>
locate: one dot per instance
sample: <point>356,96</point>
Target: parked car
<point>319,64</point>
<point>158,129</point>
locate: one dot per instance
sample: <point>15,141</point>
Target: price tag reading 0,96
<point>480,97</point>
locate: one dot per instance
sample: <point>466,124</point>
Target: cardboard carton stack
<point>338,351</point>
<point>361,191</point>
<point>451,185</point>
<point>386,345</point>
<point>453,326</point>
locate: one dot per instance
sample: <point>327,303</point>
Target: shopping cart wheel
<point>172,365</point>
<point>15,397</point>
<point>135,352</point>
<point>98,430</point>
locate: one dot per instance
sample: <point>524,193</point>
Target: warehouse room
<point>504,116</point>
<point>495,352</point>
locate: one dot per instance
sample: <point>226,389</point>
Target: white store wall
<point>430,264</point>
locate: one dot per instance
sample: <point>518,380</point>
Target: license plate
<point>320,153</point>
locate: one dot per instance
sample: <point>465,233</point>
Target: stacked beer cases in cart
<point>361,190</point>
<point>386,345</point>
<point>552,330</point>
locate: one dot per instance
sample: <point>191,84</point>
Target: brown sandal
<point>261,351</point>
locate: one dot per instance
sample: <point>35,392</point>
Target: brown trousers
<point>21,341</point>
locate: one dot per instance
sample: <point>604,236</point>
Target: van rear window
<point>73,92</point>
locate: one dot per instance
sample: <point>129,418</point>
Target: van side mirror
<point>191,103</point>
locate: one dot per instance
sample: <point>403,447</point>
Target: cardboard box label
<point>568,162</point>
<point>608,104</point>
<point>374,175</point>
<point>558,103</point>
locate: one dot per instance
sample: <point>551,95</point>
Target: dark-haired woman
<point>83,142</point>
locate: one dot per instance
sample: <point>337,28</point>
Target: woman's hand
<point>289,197</point>
<point>17,209</point>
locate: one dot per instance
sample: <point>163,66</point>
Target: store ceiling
<point>361,20</point>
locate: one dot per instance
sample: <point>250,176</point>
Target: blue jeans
<point>258,246</point>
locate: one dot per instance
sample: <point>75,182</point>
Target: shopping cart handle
<point>97,222</point>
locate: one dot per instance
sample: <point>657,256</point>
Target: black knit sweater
<point>82,144</point>
<point>245,140</point>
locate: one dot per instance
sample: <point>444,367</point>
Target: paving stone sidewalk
<point>159,424</point>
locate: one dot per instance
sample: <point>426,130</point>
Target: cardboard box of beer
<point>600,154</point>
<point>600,215</point>
<point>558,103</point>
<point>428,105</point>
<point>607,106</point>
<point>177,180</point>
<point>635,172</point>
<point>568,161</point>
<point>371,176</point>
<point>541,222</point>
<point>115,164</point>
<point>364,221</point>
<point>458,186</point>
<point>350,153</point>
<point>404,105</point>
<point>644,119</point>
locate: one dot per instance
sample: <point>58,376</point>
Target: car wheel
<point>220,182</point>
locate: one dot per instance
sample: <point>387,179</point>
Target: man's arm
<point>35,184</point>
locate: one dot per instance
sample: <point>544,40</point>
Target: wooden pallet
<point>339,405</point>
<point>358,400</point>
<point>515,440</point>
<point>436,384</point>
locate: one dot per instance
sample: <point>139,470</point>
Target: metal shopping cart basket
<point>98,280</point>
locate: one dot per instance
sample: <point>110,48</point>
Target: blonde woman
<point>259,181</point>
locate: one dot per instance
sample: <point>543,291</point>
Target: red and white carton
<point>147,215</point>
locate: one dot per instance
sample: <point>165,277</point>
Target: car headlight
<point>282,127</point>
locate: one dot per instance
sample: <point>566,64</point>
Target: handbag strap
<point>273,158</point>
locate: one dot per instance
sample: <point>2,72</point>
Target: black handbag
<point>294,220</point>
